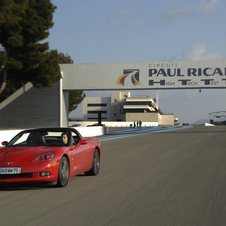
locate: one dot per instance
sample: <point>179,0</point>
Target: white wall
<point>166,120</point>
<point>112,124</point>
<point>7,135</point>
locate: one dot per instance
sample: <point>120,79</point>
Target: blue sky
<point>110,31</point>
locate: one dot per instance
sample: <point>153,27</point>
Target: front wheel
<point>63,173</point>
<point>96,164</point>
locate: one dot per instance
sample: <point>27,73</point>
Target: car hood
<point>16,154</point>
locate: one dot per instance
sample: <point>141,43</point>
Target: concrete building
<point>121,106</point>
<point>30,107</point>
<point>111,108</point>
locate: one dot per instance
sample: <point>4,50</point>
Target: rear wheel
<point>96,164</point>
<point>63,173</point>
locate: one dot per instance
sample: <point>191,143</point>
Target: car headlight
<point>44,157</point>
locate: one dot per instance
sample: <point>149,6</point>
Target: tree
<point>75,96</point>
<point>23,57</point>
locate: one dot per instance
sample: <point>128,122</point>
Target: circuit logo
<point>131,73</point>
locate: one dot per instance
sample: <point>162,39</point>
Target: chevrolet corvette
<point>49,155</point>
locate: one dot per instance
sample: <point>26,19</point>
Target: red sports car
<point>48,155</point>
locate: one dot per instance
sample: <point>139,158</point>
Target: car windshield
<point>44,138</point>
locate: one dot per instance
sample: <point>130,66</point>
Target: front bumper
<point>33,173</point>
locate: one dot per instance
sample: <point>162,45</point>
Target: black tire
<point>96,164</point>
<point>63,172</point>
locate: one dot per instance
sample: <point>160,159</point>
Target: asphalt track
<point>174,177</point>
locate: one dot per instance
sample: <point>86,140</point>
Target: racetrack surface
<point>126,131</point>
<point>169,178</point>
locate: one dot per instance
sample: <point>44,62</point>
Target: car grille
<point>21,175</point>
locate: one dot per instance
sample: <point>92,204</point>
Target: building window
<point>115,114</point>
<point>115,100</point>
<point>96,118</point>
<point>94,112</point>
<point>115,107</point>
<point>96,105</point>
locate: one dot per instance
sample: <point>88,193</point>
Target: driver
<point>64,138</point>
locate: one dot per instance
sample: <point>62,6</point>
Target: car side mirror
<point>4,143</point>
<point>82,142</point>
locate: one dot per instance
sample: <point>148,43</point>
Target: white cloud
<point>132,24</point>
<point>110,28</point>
<point>78,25</point>
<point>198,52</point>
<point>179,14</point>
<point>131,15</point>
<point>208,7</point>
<point>204,6</point>
<point>192,93</point>
<point>122,10</point>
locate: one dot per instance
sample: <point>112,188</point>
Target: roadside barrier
<point>7,135</point>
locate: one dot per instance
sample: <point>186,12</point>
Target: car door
<point>82,155</point>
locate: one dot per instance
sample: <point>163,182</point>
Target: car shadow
<point>30,186</point>
<point>24,186</point>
